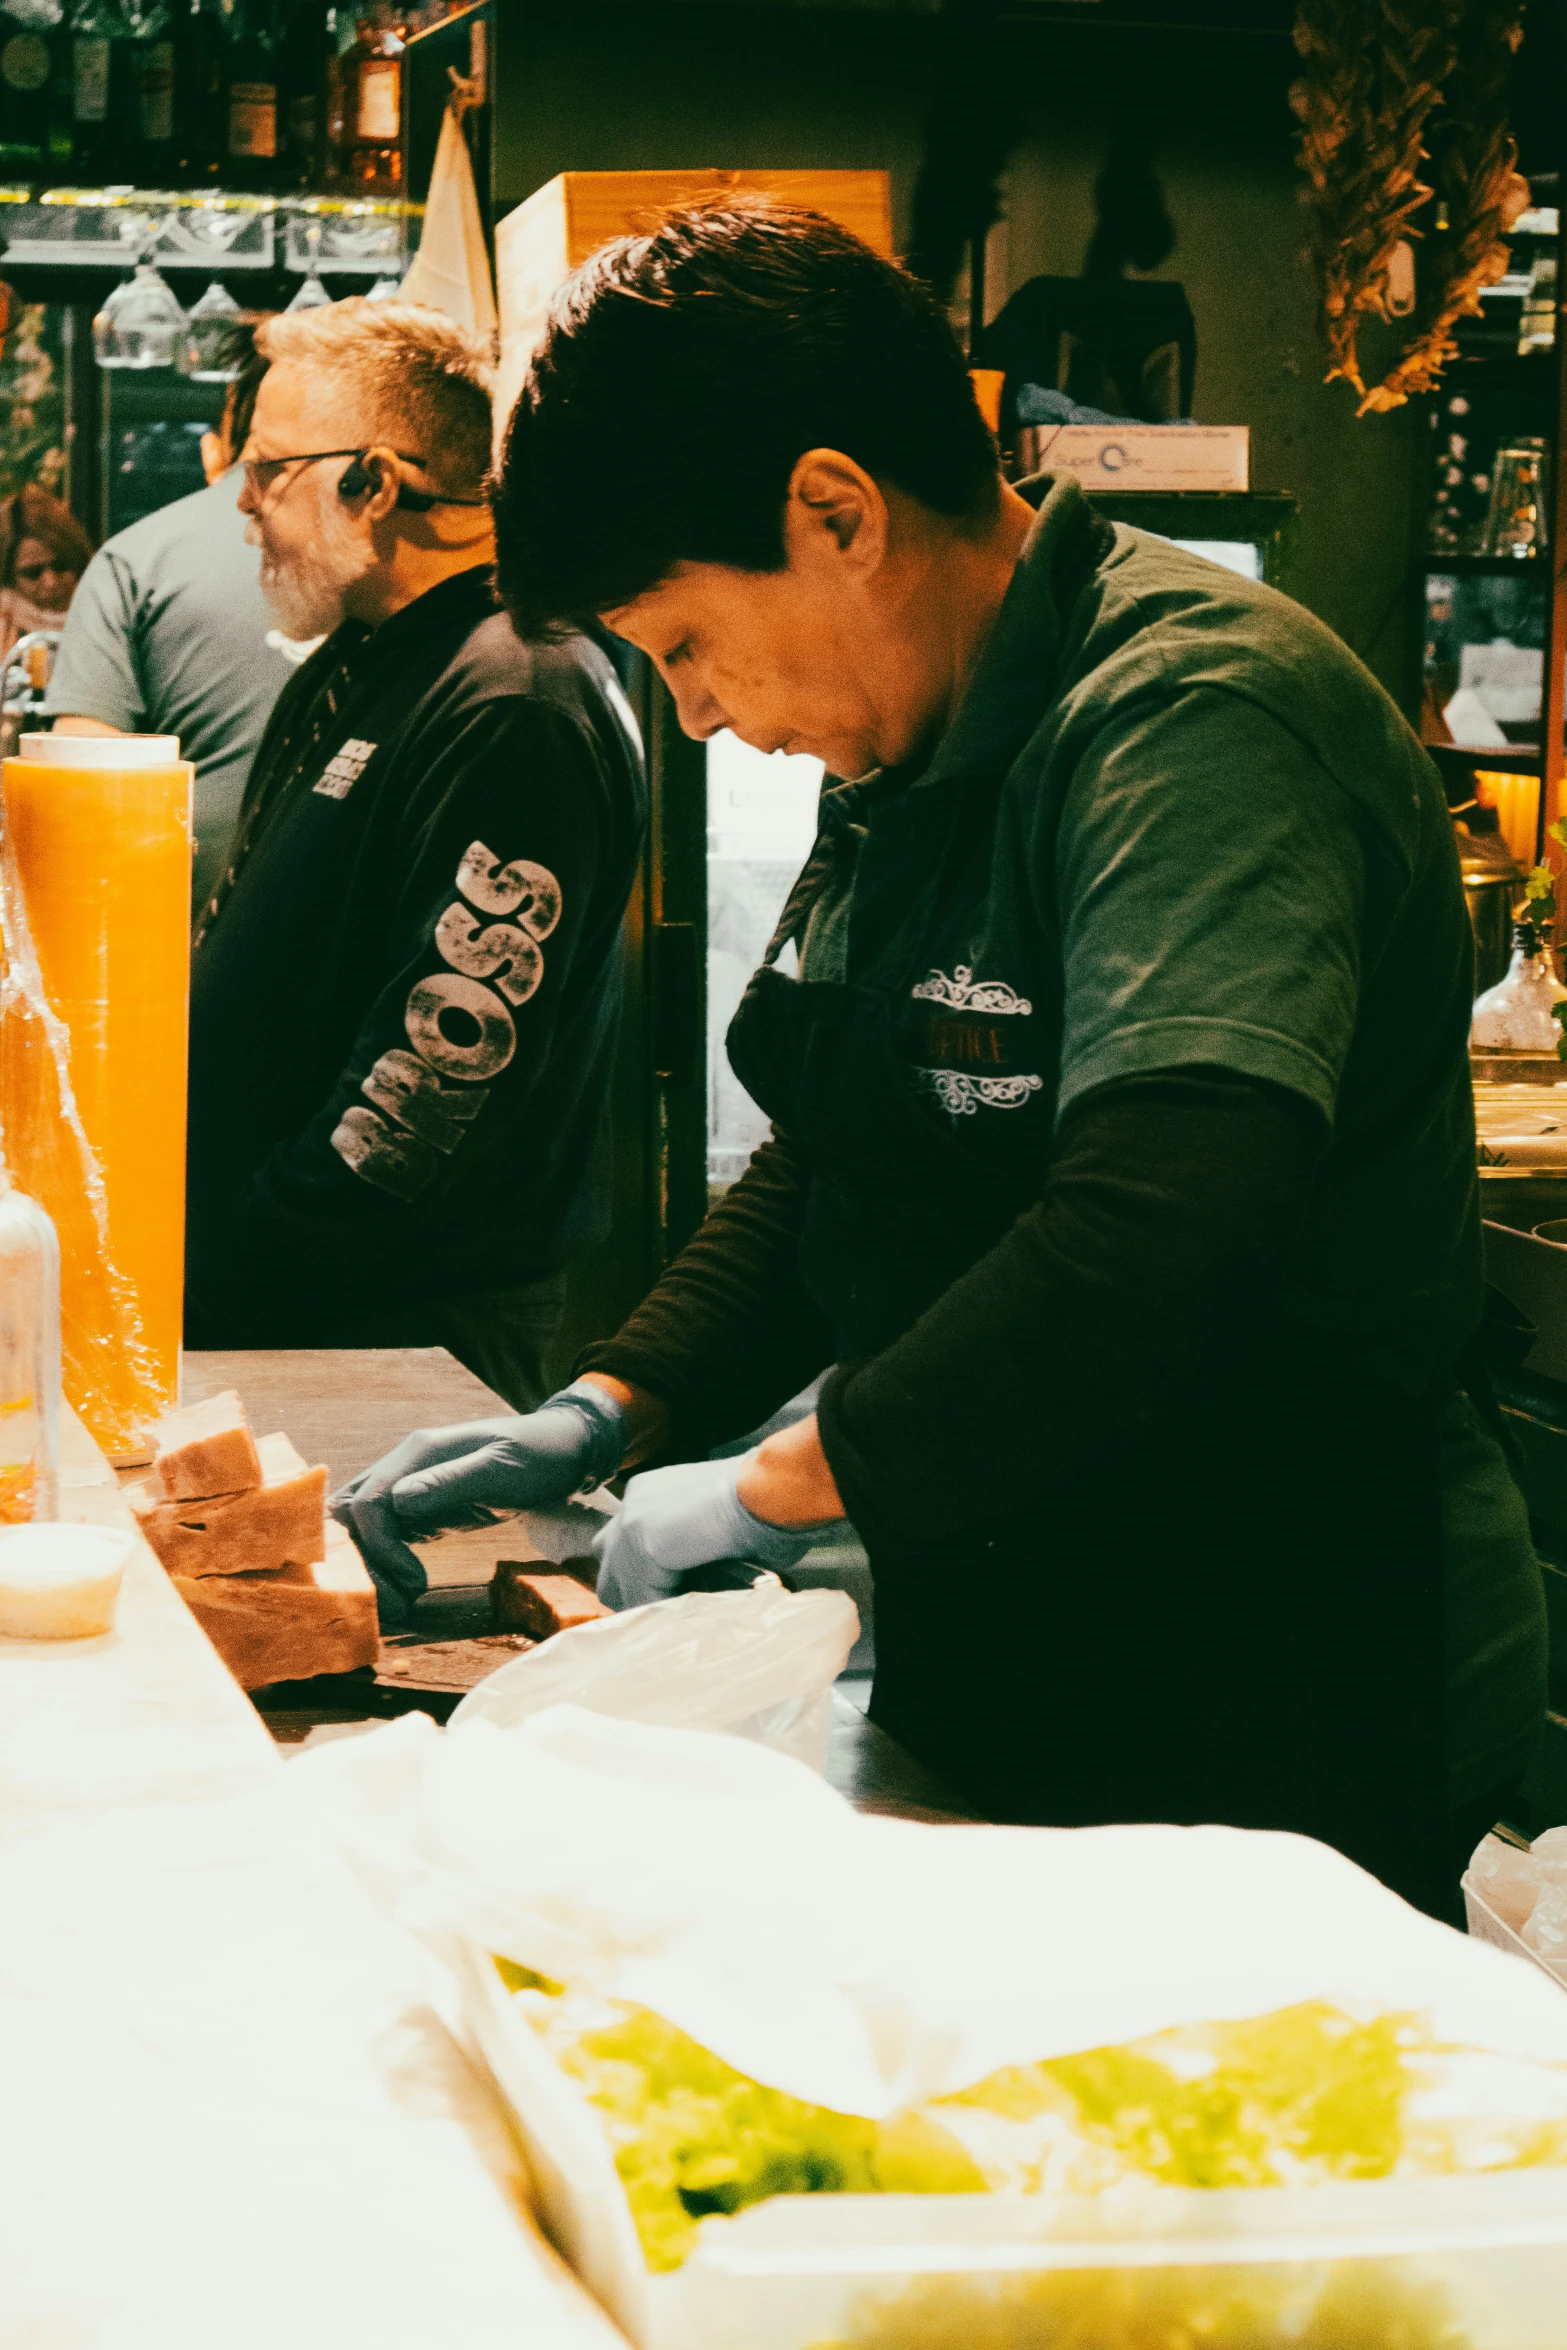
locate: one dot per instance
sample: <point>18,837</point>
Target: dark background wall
<point>608,84</point>
<point>624,85</point>
<point>1211,111</point>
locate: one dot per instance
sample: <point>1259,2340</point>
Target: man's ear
<point>380,465</point>
<point>835,514</point>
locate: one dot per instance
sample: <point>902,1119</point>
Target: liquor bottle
<point>98,43</point>
<point>59,137</point>
<point>200,123</point>
<point>251,94</point>
<point>148,82</point>
<point>308,52</point>
<point>1537,327</point>
<point>25,72</point>
<point>375,146</point>
<point>337,98</point>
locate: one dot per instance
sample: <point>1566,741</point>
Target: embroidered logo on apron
<point>343,770</point>
<point>964,1059</point>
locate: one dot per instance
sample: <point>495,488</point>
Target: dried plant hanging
<point>1478,182</point>
<point>1374,73</point>
<point>1386,86</point>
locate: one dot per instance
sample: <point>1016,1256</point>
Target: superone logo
<point>459,1023</point>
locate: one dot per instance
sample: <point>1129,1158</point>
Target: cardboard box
<point>1147,456</point>
<point>539,245</point>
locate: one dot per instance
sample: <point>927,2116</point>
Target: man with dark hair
<point>169,633</point>
<point>1123,1163</point>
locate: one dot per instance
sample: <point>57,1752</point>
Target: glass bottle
<point>60,106</point>
<point>150,95</point>
<point>199,122</point>
<point>97,31</point>
<point>29,1359</point>
<point>375,146</point>
<point>308,50</point>
<point>337,102</point>
<point>251,108</point>
<point>1517,522</point>
<point>1537,326</point>
<point>1516,1015</point>
<point>26,68</point>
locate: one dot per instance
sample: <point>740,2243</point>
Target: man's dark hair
<point>237,350</point>
<point>683,375</point>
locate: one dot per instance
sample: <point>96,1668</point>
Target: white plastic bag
<point>757,1664</point>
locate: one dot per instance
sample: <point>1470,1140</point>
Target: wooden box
<point>543,241</point>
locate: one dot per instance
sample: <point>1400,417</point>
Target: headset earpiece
<point>362,475</point>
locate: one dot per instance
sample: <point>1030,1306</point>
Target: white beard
<point>307,591</point>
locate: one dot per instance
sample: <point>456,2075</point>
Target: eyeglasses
<point>49,570</point>
<point>263,473</point>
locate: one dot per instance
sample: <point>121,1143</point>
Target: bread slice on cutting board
<point>269,1627</point>
<point>240,1525</point>
<point>276,1527</point>
<point>205,1449</point>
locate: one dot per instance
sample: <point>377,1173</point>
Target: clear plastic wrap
<point>94,918</point>
<point>758,1664</point>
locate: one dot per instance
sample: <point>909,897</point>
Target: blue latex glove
<point>676,1519</point>
<point>475,1474</point>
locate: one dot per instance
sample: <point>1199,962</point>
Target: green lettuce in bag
<point>1307,2093</point>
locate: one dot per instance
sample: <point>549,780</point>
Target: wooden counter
<point>347,1407</point>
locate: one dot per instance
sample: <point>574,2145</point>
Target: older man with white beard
<point>405,987</point>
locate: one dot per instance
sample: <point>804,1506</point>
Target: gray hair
<point>418,374</point>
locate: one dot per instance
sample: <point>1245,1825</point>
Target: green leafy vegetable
<point>690,2135</point>
<point>1307,2093</point>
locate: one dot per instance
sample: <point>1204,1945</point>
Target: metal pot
<point>1493,881</point>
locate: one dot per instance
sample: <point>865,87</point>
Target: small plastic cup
<point>60,1582</point>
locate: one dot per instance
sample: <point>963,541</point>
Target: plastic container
<point>29,1360</point>
<point>60,1582</point>
<point>99,828</point>
<point>1486,1926</point>
<point>1440,2264</point>
<point>1476,2263</point>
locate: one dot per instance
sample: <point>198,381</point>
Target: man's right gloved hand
<point>474,1474</point>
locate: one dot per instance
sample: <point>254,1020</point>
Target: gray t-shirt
<point>167,634</point>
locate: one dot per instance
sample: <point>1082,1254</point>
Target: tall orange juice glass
<point>100,832</point>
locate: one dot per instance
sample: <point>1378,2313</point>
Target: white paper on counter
<point>232,2115</point>
<point>864,1963</point>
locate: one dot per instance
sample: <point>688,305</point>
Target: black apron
<point>1229,1613</point>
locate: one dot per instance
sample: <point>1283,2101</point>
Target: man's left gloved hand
<point>675,1519</point>
<point>475,1474</point>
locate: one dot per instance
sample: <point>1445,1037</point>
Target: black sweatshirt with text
<point>405,994</point>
